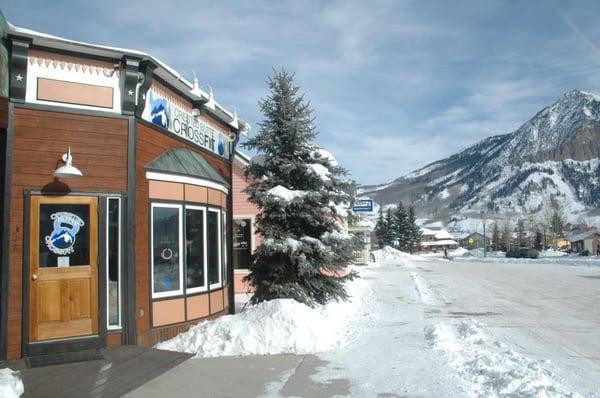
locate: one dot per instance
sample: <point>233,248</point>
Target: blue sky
<point>394,84</point>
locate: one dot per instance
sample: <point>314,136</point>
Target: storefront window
<point>113,261</point>
<point>64,235</point>
<point>166,250</point>
<point>214,248</point>
<point>194,247</point>
<point>188,243</point>
<point>241,243</point>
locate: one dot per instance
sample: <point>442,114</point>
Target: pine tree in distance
<point>299,191</point>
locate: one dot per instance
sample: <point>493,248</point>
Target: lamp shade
<point>67,170</point>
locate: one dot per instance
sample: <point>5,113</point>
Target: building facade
<point>245,237</point>
<point>117,205</point>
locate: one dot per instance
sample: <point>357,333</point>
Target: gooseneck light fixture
<point>196,88</point>
<point>211,98</point>
<point>67,169</point>
<point>234,118</point>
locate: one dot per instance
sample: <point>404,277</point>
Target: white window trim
<point>180,227</point>
<point>204,288</point>
<point>119,269</point>
<point>152,175</point>
<point>220,283</point>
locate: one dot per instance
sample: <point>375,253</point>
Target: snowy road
<point>543,311</point>
<point>449,328</point>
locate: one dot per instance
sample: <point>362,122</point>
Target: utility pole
<point>484,241</point>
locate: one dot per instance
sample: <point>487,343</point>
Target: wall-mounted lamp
<point>196,89</point>
<point>231,137</point>
<point>234,122</point>
<point>67,170</point>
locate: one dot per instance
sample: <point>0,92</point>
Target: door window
<point>64,239</point>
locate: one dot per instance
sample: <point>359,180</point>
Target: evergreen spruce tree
<point>298,192</point>
<point>537,242</point>
<point>381,230</point>
<point>391,235</point>
<point>496,238</point>
<point>415,233</point>
<point>402,228</point>
<point>521,238</point>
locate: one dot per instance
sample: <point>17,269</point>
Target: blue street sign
<point>363,205</point>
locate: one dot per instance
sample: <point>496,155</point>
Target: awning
<point>185,162</point>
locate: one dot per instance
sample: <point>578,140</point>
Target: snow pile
<point>458,252</point>
<point>552,253</point>
<point>287,195</point>
<point>281,326</point>
<point>390,256</point>
<point>11,385</point>
<point>421,287</point>
<point>489,368</point>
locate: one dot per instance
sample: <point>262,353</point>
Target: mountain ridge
<point>550,158</point>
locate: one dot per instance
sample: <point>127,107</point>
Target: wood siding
<point>241,205</point>
<point>99,148</point>
<point>150,144</point>
<point>3,112</point>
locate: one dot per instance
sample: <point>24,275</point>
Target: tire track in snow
<point>422,289</point>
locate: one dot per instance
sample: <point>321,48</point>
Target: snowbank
<point>552,253</point>
<point>489,368</point>
<point>391,256</point>
<point>458,252</point>
<point>281,326</point>
<point>11,385</point>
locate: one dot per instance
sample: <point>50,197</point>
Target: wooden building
<point>137,248</point>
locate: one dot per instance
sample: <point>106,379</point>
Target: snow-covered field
<point>429,327</point>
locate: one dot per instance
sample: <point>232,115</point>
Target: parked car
<point>522,252</point>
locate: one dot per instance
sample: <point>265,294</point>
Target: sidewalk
<point>240,377</point>
<point>121,370</point>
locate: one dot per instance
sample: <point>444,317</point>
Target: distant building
<point>474,240</point>
<point>436,240</point>
<point>363,228</point>
<point>589,241</point>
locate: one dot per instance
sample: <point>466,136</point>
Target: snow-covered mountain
<point>552,157</point>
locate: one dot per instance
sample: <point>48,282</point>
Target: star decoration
<point>19,77</point>
<point>130,92</point>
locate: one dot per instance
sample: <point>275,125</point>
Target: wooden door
<point>63,270</point>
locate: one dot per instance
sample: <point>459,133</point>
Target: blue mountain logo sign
<point>159,113</point>
<point>62,238</point>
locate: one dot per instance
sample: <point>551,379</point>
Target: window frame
<point>219,248</point>
<point>198,289</point>
<point>224,272</point>
<point>119,265</point>
<point>180,291</point>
